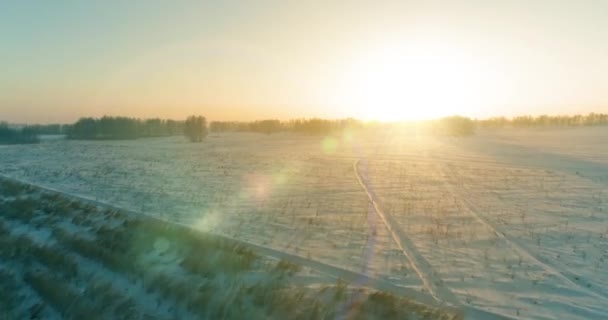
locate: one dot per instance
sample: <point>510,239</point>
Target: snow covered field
<point>64,257</point>
<point>510,222</point>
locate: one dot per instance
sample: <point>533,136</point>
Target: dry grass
<point>22,209</point>
<point>12,189</point>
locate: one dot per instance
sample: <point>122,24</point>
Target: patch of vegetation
<point>288,267</point>
<point>222,262</point>
<point>195,128</point>
<point>10,135</point>
<point>12,189</point>
<point>62,297</point>
<point>120,128</point>
<point>314,126</point>
<point>92,250</point>
<point>591,119</point>
<point>14,247</point>
<point>49,129</point>
<point>455,126</point>
<point>55,260</point>
<point>22,209</point>
<point>9,302</point>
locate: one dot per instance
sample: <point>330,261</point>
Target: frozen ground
<point>511,222</point>
<point>68,258</point>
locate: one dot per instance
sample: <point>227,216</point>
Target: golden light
<point>413,82</point>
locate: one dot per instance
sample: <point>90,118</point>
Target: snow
<point>165,286</point>
<point>512,222</point>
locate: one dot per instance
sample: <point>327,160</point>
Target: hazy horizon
<point>288,119</point>
<point>392,60</point>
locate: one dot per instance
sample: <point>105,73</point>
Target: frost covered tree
<point>195,128</point>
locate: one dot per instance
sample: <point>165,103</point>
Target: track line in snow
<point>416,261</point>
<point>513,243</point>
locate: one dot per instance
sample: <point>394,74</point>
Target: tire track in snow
<point>416,261</point>
<point>565,276</point>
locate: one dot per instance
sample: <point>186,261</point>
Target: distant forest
<point>313,126</point>
<point>458,123</point>
<point>9,135</point>
<point>109,128</point>
<point>591,119</point>
<point>196,128</point>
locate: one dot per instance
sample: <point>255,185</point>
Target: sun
<point>412,82</point>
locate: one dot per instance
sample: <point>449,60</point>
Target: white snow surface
<point>512,222</point>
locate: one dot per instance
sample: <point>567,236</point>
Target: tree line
<point>13,135</point>
<point>454,126</point>
<point>108,128</point>
<point>462,126</point>
<point>122,128</point>
<point>195,128</point>
<point>314,126</point>
<point>49,129</point>
<point>591,119</point>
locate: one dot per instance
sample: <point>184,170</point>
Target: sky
<point>245,60</point>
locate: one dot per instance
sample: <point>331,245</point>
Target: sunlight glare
<point>412,82</point>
